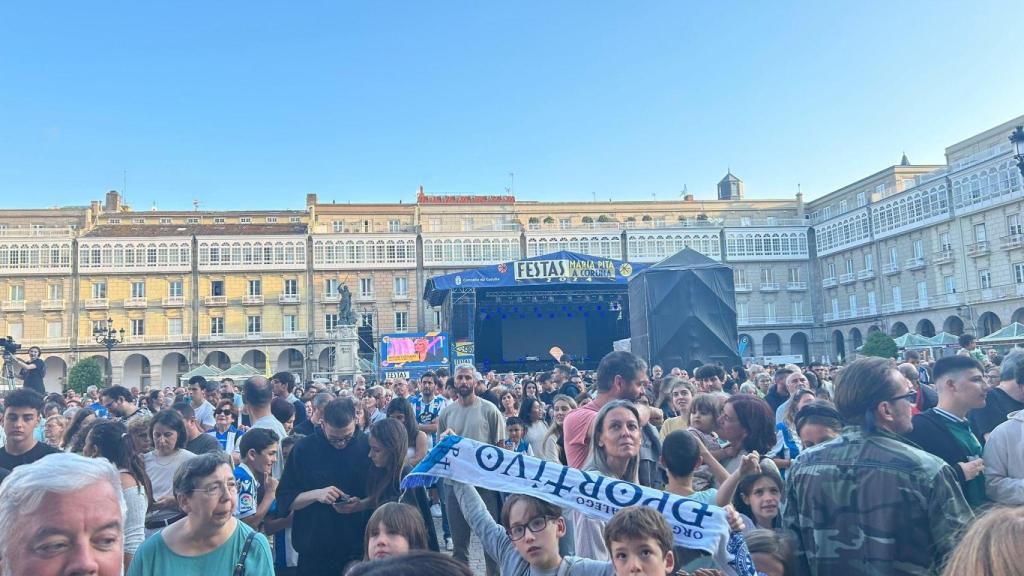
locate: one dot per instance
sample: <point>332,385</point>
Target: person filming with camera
<point>31,371</point>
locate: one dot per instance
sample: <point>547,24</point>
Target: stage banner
<point>410,355</point>
<point>694,525</point>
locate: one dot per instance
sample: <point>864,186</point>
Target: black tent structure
<point>682,312</point>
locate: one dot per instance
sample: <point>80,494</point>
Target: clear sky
<point>254,104</point>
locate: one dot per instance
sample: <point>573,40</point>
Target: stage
<point>508,316</point>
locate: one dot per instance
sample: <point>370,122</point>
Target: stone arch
<point>255,358</point>
<point>771,345</point>
<point>218,359</point>
<point>838,344</point>
<point>988,323</point>
<point>56,374</point>
<point>326,360</point>
<point>290,360</point>
<point>135,372</point>
<point>1018,316</point>
<point>798,344</point>
<point>954,325</point>
<point>172,367</point>
<point>748,348</point>
<point>105,370</point>
<point>898,329</point>
<point>856,338</point>
<point>873,328</point>
<point>926,328</point>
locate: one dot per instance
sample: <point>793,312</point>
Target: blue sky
<point>254,104</point>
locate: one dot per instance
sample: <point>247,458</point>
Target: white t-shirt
<point>204,415</point>
<point>271,423</point>
<point>161,469</point>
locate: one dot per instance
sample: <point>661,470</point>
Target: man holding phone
<point>324,472</point>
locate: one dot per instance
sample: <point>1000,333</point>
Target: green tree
<point>879,344</point>
<point>85,373</point>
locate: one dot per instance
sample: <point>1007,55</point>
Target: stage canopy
<point>683,312</point>
<point>556,269</point>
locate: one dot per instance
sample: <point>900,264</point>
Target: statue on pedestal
<point>345,315</point>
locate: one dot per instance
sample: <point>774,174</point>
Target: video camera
<point>9,346</point>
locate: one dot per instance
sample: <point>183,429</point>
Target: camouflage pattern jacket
<point>872,504</point>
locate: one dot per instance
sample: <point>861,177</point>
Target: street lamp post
<point>108,337</point>
<point>1017,138</point>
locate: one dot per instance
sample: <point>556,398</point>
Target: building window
<point>245,220</point>
<point>17,292</point>
<point>138,327</point>
<point>894,255</point>
<point>1013,224</point>
<point>922,293</point>
<point>138,220</point>
<point>861,199</point>
<point>366,319</point>
<point>394,226</point>
<point>794,275</point>
<point>191,220</point>
<point>826,213</point>
<point>741,312</point>
<point>869,261</point>
<point>853,304</point>
<point>216,288</point>
<point>796,308</point>
<point>564,223</point>
<point>338,226</point>
<point>218,220</point>
<point>331,287</point>
<point>165,220</point>
<point>871,302</point>
<point>255,288</point>
<point>467,224</point>
<point>767,275</point>
<point>949,282</point>
<point>366,287</point>
<point>174,326</point>
<point>54,329</point>
<point>769,311</point>
<point>291,323</point>
<point>434,224</point>
<point>437,318</point>
<point>842,206</point>
<point>741,276</point>
<point>831,267</point>
<point>897,298</point>
<point>401,321</point>
<point>979,233</point>
<point>944,242</point>
<point>835,307</point>
<point>175,289</point>
<point>291,287</point>
<point>271,219</point>
<point>331,322</point>
<point>401,287</point>
<point>984,279</point>
<point>849,265</point>
<point>295,219</point>
<point>55,291</point>
<point>99,289</point>
<point>253,324</point>
<point>138,289</point>
<point>114,221</point>
<point>217,326</point>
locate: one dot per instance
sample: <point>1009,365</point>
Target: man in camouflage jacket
<point>870,503</point>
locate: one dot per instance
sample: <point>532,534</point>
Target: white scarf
<point>694,525</point>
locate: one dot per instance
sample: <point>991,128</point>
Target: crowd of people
<point>875,467</point>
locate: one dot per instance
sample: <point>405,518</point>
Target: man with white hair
<point>63,536</point>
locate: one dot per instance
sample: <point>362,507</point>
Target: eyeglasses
<point>339,442</point>
<point>536,525</point>
<point>224,412</point>
<point>909,397</point>
<point>214,489</point>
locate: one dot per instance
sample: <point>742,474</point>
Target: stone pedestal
<point>346,355</point>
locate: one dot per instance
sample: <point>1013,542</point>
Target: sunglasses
<point>909,397</point>
<point>224,412</point>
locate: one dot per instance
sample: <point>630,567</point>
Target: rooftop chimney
<point>113,202</point>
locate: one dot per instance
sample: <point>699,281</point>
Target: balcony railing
<point>796,286</point>
<point>866,274</point>
<point>155,338</point>
<point>978,249</point>
<point>828,282</point>
<point>216,300</point>
<point>136,302</point>
<point>52,305</point>
<point>890,268</point>
<point>285,335</point>
<point>365,297</point>
<point>848,278</point>
<point>769,287</point>
<point>13,306</point>
<point>916,263</point>
<point>400,296</point>
<point>49,232</point>
<point>330,297</point>
<point>891,307</point>
<point>252,299</point>
<point>288,299</point>
<point>773,320</point>
<point>96,303</point>
<point>744,287</point>
<point>944,256</point>
<point>173,301</point>
<point>1011,242</point>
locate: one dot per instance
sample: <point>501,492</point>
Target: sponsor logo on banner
<point>464,348</point>
<point>564,270</point>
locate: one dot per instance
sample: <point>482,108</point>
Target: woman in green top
<point>209,540</point>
